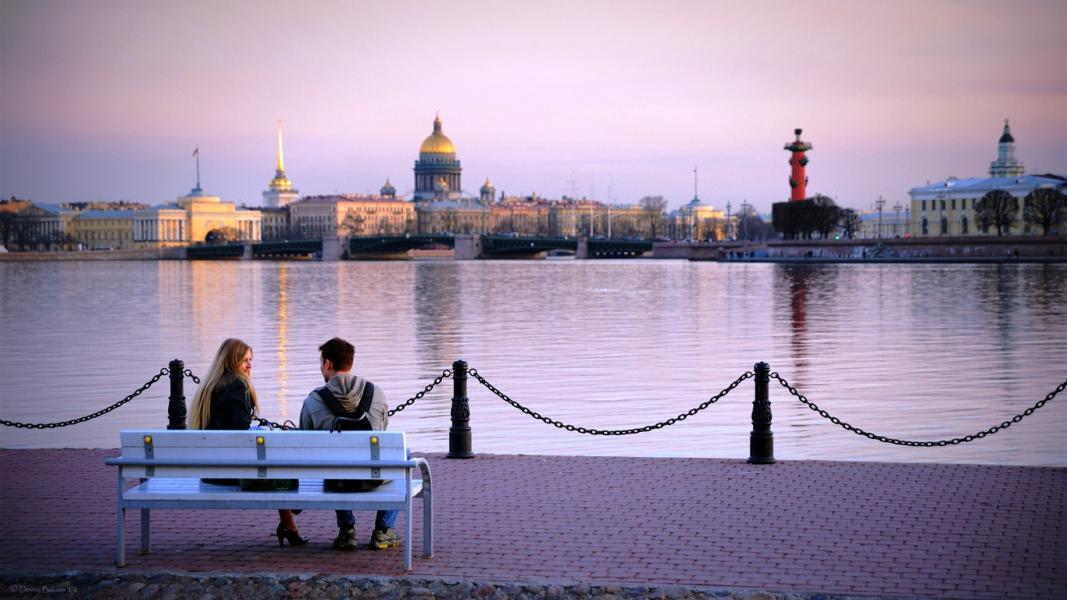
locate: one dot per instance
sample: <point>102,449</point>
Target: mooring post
<point>761,441</point>
<point>176,408</point>
<point>459,435</point>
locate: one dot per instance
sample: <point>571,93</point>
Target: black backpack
<point>357,420</point>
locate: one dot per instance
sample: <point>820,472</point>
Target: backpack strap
<point>335,405</point>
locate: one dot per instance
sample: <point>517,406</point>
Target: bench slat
<point>309,495</point>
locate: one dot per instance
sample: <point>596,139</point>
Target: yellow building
<point>208,214</point>
<point>351,215</point>
<point>104,229</point>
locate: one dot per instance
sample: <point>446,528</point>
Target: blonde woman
<point>226,399</point>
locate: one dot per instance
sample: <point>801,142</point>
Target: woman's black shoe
<point>293,537</point>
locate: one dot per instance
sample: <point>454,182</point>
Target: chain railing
<point>162,373</point>
<point>593,431</point>
<point>761,444</point>
<point>445,374</point>
<point>888,440</point>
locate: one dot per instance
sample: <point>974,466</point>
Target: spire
<point>281,164</point>
<point>436,122</point>
<point>1006,137</point>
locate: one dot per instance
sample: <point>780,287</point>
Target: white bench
<point>170,464</point>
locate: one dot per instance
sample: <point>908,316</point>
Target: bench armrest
<point>425,468</point>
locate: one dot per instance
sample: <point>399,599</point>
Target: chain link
<point>889,440</point>
<point>162,372</point>
<point>436,381</point>
<point>286,426</point>
<point>591,431</point>
<point>190,375</point>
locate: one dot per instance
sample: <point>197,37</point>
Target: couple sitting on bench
<point>227,400</point>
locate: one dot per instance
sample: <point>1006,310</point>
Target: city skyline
<point>614,101</point>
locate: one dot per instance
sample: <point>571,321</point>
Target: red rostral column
<point>798,181</point>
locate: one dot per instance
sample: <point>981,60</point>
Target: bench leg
<point>427,523</point>
<point>146,532</point>
<point>407,523</point>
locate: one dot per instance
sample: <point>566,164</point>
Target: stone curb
<point>168,586</point>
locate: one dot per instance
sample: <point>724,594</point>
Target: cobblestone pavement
<point>839,528</point>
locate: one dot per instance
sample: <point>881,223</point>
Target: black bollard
<point>459,435</point>
<point>176,408</point>
<point>761,441</point>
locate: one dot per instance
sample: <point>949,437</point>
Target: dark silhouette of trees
<point>850,222</point>
<point>996,209</point>
<point>653,207</point>
<point>802,219</point>
<point>751,227</point>
<point>1045,208</point>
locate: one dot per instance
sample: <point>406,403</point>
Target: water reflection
<point>437,292</point>
<point>910,351</point>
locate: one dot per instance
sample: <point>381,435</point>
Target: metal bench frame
<point>190,493</point>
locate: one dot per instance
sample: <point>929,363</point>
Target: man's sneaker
<point>345,540</point>
<point>383,539</point>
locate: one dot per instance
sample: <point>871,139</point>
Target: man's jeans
<point>385,519</point>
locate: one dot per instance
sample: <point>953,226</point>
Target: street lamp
<point>879,203</point>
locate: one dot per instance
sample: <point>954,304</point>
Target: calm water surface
<point>917,352</point>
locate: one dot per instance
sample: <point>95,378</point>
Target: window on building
<point>924,204</point>
<point>926,227</point>
<point>944,225</point>
<point>963,226</point>
<point>942,205</point>
<point>953,204</point>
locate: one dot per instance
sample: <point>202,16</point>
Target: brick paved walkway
<point>943,531</point>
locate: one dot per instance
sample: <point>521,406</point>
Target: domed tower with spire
<point>280,191</point>
<point>488,192</point>
<point>1006,165</point>
<point>437,171</point>
<point>388,190</point>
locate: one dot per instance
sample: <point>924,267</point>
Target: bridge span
<point>464,246</point>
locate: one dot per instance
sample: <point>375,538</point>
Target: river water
<point>920,352</point>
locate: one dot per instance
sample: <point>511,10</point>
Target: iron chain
<point>592,431</point>
<point>889,440</point>
<point>162,372</point>
<point>437,380</point>
<point>286,426</point>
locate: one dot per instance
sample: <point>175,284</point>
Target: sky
<point>107,99</point>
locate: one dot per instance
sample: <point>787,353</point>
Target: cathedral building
<point>437,171</point>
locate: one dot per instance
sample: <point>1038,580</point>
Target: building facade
<point>351,215</point>
<point>947,208</point>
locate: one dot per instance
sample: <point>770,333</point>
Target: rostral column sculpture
<point>798,181</point>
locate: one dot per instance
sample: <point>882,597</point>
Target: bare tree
<point>825,215</point>
<point>1045,208</point>
<point>850,222</point>
<point>653,207</point>
<point>996,209</point>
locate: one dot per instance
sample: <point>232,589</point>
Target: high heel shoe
<point>293,537</point>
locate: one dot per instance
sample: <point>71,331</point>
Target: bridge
<point>466,246</point>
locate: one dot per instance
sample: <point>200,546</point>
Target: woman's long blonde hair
<point>227,362</point>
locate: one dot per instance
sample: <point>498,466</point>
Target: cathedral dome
<point>437,142</point>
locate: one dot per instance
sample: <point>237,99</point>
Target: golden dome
<point>437,142</point>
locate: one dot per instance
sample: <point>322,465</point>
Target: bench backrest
<point>203,446</point>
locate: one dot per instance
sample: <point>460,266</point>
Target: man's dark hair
<point>339,352</point>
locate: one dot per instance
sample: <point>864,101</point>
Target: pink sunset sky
<point>106,100</point>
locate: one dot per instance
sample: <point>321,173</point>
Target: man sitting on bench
<point>349,402</point>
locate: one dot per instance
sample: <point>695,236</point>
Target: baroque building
<point>946,208</point>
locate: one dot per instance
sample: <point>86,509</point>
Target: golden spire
<point>281,165</point>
